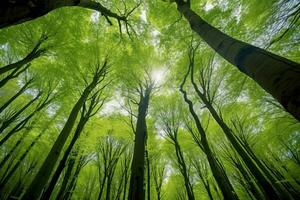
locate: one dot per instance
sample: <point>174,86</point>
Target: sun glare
<point>158,76</point>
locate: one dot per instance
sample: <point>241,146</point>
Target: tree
<point>86,113</point>
<point>275,74</point>
<point>218,173</point>
<point>207,96</point>
<point>136,187</point>
<point>38,183</point>
<point>170,122</point>
<point>20,11</point>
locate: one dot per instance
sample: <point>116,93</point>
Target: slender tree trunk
<point>272,191</point>
<point>221,179</point>
<point>250,182</point>
<point>35,53</point>
<point>17,128</point>
<point>148,176</point>
<point>62,191</point>
<point>40,180</point>
<point>283,192</point>
<point>63,161</point>
<point>72,185</point>
<point>6,104</point>
<point>136,187</point>
<point>126,176</point>
<point>183,170</point>
<point>10,153</point>
<point>278,76</point>
<point>20,160</point>
<point>16,12</point>
<point>14,74</point>
<point>7,122</point>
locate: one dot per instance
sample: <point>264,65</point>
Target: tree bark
<point>9,101</point>
<point>20,11</point>
<point>62,191</point>
<point>269,188</point>
<point>7,122</point>
<point>217,171</point>
<point>64,159</point>
<point>136,187</point>
<point>278,76</point>
<point>35,188</point>
<point>20,160</point>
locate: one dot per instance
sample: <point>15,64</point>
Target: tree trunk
<point>14,74</point>
<point>72,185</point>
<point>217,171</point>
<point>20,160</point>
<point>19,11</point>
<point>270,190</point>
<point>148,176</point>
<point>63,161</point>
<point>7,122</point>
<point>183,169</point>
<point>278,76</point>
<point>62,191</point>
<point>10,153</point>
<point>40,180</point>
<point>136,187</point>
<point>6,104</point>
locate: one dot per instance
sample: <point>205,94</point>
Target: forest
<point>149,99</point>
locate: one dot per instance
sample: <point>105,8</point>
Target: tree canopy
<point>195,99</point>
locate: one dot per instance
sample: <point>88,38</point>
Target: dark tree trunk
<point>62,191</point>
<point>17,164</point>
<point>20,11</point>
<point>218,173</point>
<point>270,190</point>
<point>14,74</point>
<point>278,76</point>
<point>35,188</point>
<point>148,176</point>
<point>9,101</point>
<point>83,120</point>
<point>10,153</point>
<point>72,185</point>
<point>7,122</point>
<point>136,187</point>
<point>35,53</point>
<point>183,170</point>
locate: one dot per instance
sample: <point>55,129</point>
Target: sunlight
<point>158,76</point>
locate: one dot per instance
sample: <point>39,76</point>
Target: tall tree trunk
<point>83,120</point>
<point>20,160</point>
<point>35,188</point>
<point>250,182</point>
<point>14,74</point>
<point>35,53</point>
<point>136,187</point>
<point>148,176</point>
<point>221,179</point>
<point>278,76</point>
<point>10,153</point>
<point>272,191</point>
<point>62,191</point>
<point>72,185</point>
<point>9,101</point>
<point>16,12</point>
<point>7,122</point>
<point>183,169</point>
